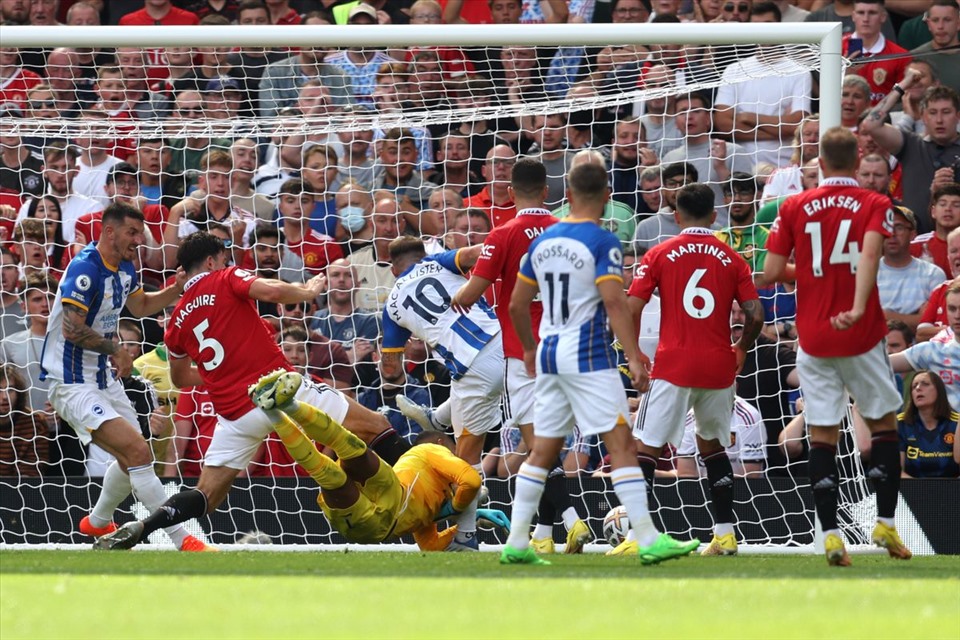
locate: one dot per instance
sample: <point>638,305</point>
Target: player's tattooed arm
<point>76,330</point>
<point>752,324</point>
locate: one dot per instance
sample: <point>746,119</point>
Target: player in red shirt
<point>498,265</point>
<point>216,326</point>
<point>699,278</point>
<point>836,234</point>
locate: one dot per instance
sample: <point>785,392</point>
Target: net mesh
<point>241,140</point>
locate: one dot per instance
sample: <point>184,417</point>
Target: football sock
<point>325,430</point>
<point>823,481</point>
<point>322,469</point>
<point>542,530</point>
<point>179,508</point>
<point>884,471</point>
<point>631,489</point>
<point>720,477</point>
<point>722,529</point>
<point>149,490</point>
<point>116,487</point>
<point>649,467</point>
<point>546,516</point>
<point>389,446</point>
<point>443,415</point>
<point>555,491</point>
<point>467,522</point>
<point>530,481</point>
<point>570,517</point>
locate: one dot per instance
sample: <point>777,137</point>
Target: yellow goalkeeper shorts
<point>373,516</point>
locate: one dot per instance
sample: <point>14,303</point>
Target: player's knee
<point>136,455</point>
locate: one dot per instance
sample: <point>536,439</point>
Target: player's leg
<point>660,419</point>
<point>660,422</point>
<point>531,478</point>
<point>475,411</point>
<point>825,402</point>
<point>712,409</point>
<point>870,381</point>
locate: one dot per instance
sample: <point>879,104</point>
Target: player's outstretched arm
<point>147,304</point>
<point>523,294</point>
<point>866,282</point>
<point>622,324</point>
<point>776,269</point>
<point>280,292</point>
<point>468,295</point>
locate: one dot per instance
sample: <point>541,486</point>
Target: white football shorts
<point>475,398</point>
<point>663,412</point>
<point>235,442</point>
<point>595,401</point>
<point>519,393</point>
<point>85,407</point>
<point>826,382</point>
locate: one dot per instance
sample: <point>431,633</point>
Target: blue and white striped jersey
<point>566,262</point>
<point>419,305</point>
<point>101,290</point>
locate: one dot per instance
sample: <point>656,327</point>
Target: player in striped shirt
<point>80,352</point>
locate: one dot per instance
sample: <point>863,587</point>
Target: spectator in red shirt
<point>315,249</point>
<point>868,19</point>
<point>282,13</point>
<point>160,12</point>
<point>494,198</point>
<point>14,79</point>
<point>945,212</point>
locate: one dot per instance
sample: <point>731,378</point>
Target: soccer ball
<point>616,525</point>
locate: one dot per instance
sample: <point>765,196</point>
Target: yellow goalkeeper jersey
<point>430,474</point>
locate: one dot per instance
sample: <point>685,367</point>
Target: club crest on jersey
<point>98,410</point>
<point>879,75</point>
<point>84,282</point>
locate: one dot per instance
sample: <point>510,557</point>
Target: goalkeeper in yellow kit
<point>363,497</point>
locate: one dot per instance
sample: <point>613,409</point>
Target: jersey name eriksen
<point>558,251</point>
<point>206,300</point>
<point>819,204</point>
<point>701,248</point>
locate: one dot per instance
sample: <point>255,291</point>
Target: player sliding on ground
<point>363,497</point>
<point>578,269</point>
<point>216,326</point>
<point>836,234</point>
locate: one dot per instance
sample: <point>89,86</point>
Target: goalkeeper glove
<point>446,511</point>
<point>493,519</point>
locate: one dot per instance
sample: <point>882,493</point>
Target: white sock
<point>116,487</point>
<point>148,490</point>
<point>835,532</point>
<point>570,517</point>
<point>467,522</point>
<point>443,415</point>
<point>631,490</point>
<point>542,531</point>
<point>887,521</point>
<point>530,481</point>
<point>722,529</point>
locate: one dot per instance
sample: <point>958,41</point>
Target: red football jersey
<point>699,277</point>
<point>14,89</point>
<point>216,325</point>
<point>500,260</point>
<point>317,250</point>
<point>936,310</point>
<point>824,229</point>
<point>175,17</point>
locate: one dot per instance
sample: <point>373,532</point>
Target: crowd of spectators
<point>297,203</point>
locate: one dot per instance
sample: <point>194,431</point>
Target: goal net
<point>300,156</point>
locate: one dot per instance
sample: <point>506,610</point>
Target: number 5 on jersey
<point>209,343</point>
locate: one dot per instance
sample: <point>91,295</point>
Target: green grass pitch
<point>147,594</point>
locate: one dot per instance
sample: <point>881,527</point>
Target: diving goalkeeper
<point>363,497</point>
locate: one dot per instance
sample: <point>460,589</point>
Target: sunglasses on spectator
<point>42,104</point>
<point>742,7</point>
<point>629,10</point>
<point>302,306</point>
